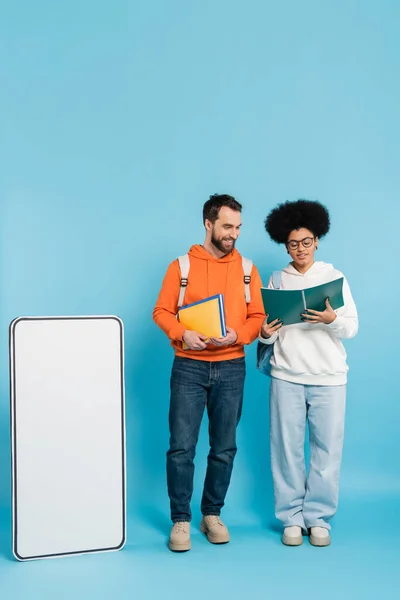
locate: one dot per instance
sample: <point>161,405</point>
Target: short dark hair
<point>289,216</point>
<point>213,205</point>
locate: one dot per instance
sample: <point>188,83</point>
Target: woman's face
<point>301,245</point>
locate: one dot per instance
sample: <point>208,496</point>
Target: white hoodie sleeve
<point>345,326</point>
<point>274,337</point>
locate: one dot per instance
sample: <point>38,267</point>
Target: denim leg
<point>326,411</point>
<point>189,389</point>
<point>287,435</point>
<point>224,411</point>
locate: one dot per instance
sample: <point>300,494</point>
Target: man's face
<point>225,230</point>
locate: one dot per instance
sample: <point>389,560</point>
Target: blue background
<point>118,120</point>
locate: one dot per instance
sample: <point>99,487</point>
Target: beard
<point>219,244</point>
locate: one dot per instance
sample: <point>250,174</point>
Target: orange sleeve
<point>164,313</point>
<point>255,312</point>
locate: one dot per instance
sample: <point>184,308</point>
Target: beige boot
<point>292,536</point>
<point>319,536</point>
<point>179,539</point>
<point>215,530</point>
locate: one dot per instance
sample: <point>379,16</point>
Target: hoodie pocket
<point>313,351</point>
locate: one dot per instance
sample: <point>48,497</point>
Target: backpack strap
<point>276,279</point>
<point>247,267</point>
<point>184,265</point>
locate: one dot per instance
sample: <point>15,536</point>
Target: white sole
<point>320,542</point>
<point>292,541</point>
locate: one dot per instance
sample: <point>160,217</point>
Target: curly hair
<point>289,216</point>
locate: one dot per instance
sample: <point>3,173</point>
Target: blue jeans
<point>195,385</point>
<point>300,499</point>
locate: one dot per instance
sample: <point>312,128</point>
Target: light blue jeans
<point>307,501</point>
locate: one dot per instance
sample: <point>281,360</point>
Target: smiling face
<point>301,245</point>
<point>224,232</point>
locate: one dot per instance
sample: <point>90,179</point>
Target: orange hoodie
<point>209,276</point>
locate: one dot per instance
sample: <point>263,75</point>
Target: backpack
<point>184,265</point>
<point>265,351</point>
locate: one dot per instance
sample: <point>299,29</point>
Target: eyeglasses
<point>306,243</point>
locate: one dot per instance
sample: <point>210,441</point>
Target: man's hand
<point>194,340</point>
<point>314,316</point>
<point>268,329</point>
<point>227,340</point>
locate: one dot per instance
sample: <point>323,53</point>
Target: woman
<point>308,380</point>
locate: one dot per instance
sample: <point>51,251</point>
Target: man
<point>209,373</point>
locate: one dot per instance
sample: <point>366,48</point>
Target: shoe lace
<point>180,526</point>
<point>214,520</point>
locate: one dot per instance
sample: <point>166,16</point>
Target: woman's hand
<point>268,329</point>
<point>314,316</point>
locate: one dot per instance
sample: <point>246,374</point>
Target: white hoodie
<point>313,354</point>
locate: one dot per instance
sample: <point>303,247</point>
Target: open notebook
<point>289,305</point>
